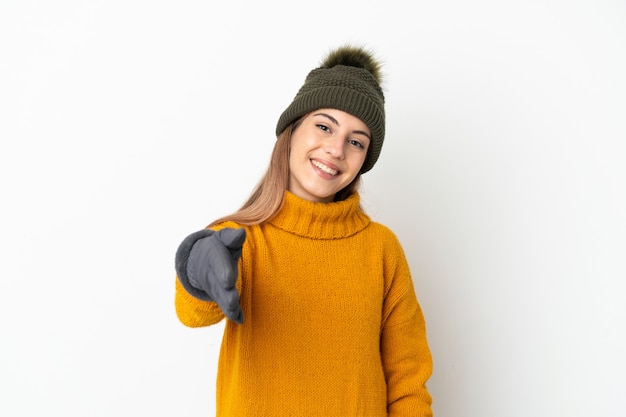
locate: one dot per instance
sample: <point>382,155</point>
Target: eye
<point>323,127</point>
<point>356,143</point>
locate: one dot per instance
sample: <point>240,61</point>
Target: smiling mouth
<point>324,168</point>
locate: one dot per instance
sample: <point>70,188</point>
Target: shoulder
<point>226,224</point>
<point>383,232</point>
<point>385,239</point>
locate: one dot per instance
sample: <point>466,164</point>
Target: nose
<point>334,146</point>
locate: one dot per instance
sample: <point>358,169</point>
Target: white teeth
<point>324,168</point>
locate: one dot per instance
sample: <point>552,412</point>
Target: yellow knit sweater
<point>332,326</point>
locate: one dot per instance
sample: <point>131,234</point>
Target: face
<point>327,151</point>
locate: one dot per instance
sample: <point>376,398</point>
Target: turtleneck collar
<point>321,220</point>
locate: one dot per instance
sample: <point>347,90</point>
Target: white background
<point>126,125</point>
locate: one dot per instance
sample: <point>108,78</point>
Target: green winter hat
<point>348,79</point>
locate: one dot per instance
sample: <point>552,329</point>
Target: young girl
<point>322,316</point>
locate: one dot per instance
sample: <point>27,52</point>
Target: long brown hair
<point>268,196</point>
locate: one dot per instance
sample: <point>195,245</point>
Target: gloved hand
<point>212,269</point>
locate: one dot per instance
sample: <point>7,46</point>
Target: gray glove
<point>206,263</point>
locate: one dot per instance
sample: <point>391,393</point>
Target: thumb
<point>232,238</point>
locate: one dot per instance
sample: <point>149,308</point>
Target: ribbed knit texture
<point>332,324</point>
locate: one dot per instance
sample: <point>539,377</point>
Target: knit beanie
<point>348,79</point>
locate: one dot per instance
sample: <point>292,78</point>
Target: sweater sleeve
<point>406,356</point>
<point>193,312</point>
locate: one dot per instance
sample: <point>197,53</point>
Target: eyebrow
<point>335,121</point>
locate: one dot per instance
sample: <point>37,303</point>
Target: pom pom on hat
<point>354,57</point>
<point>348,79</point>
